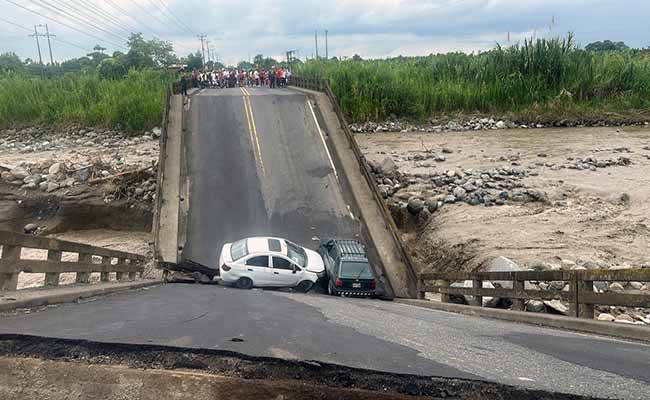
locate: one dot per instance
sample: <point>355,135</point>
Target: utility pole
<point>202,38</point>
<point>207,46</point>
<point>316,39</point>
<point>47,33</point>
<point>326,47</point>
<point>38,45</point>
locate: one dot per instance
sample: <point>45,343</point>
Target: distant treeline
<point>538,76</point>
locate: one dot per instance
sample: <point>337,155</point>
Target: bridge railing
<point>323,85</point>
<point>580,295</point>
<point>125,265</point>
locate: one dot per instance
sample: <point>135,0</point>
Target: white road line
<point>320,132</point>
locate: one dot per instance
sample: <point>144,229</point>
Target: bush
<point>134,103</point>
<point>536,75</point>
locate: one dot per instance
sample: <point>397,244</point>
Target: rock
<point>645,288</point>
<point>156,132</point>
<point>384,190</point>
<point>567,264</point>
<point>557,306</point>
<point>7,176</point>
<point>490,301</point>
<point>534,306</point>
<point>447,150</point>
<point>415,205</point>
<point>624,319</point>
<point>459,193</point>
<point>83,175</point>
<point>387,166</point>
<point>502,264</point>
<point>30,228</point>
<point>557,285</point>
<point>501,125</point>
<point>636,285</point>
<point>55,169</point>
<point>431,204</point>
<point>605,317</point>
<point>450,199</point>
<point>19,173</point>
<point>616,287</point>
<point>105,173</point>
<point>468,187</point>
<point>43,185</point>
<point>51,186</point>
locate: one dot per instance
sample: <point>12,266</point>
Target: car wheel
<point>244,283</point>
<point>305,286</point>
<point>330,289</point>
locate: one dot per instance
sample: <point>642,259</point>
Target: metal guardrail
<point>322,85</point>
<point>581,295</point>
<point>11,264</point>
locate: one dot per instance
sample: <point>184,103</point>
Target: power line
<point>69,16</point>
<point>85,12</point>
<point>144,10</point>
<point>124,12</point>
<point>64,24</point>
<point>182,23</point>
<point>169,16</point>
<point>55,38</point>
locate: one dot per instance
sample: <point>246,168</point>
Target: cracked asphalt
<point>360,333</point>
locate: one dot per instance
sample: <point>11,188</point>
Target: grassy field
<point>531,80</point>
<point>132,104</point>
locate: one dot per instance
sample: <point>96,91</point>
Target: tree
<point>193,61</point>
<point>148,53</point>
<point>112,68</point>
<point>10,62</point>
<point>245,65</point>
<point>606,45</point>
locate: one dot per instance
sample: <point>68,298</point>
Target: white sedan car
<point>270,262</point>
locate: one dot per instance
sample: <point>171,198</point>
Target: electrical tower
<point>202,39</point>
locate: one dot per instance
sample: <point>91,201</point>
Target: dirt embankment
<point>90,186</point>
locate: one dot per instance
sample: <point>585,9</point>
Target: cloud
<point>371,28</point>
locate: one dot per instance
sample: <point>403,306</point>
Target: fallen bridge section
<point>379,229</point>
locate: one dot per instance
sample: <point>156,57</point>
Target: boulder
<point>624,319</point>
<point>636,285</point>
<point>459,193</point>
<point>30,228</point>
<point>534,306</point>
<point>83,175</point>
<point>19,173</point>
<point>450,199</point>
<point>156,132</point>
<point>502,264</point>
<point>415,205</point>
<point>616,287</point>
<point>52,187</point>
<point>501,125</point>
<point>387,166</point>
<point>557,307</point>
<point>55,169</point>
<point>605,317</point>
<point>431,204</point>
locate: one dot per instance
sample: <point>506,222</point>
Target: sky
<point>237,30</point>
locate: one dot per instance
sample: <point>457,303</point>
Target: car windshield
<point>297,254</point>
<point>355,270</point>
<point>239,249</point>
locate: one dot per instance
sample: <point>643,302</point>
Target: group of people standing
<point>276,77</point>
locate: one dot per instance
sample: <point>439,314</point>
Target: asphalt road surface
<point>362,333</point>
<point>259,166</point>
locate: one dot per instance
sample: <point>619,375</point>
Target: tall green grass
<point>134,103</point>
<point>536,76</point>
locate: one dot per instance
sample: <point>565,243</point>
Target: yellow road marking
<point>252,130</point>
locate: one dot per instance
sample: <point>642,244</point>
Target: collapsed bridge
<point>268,162</point>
